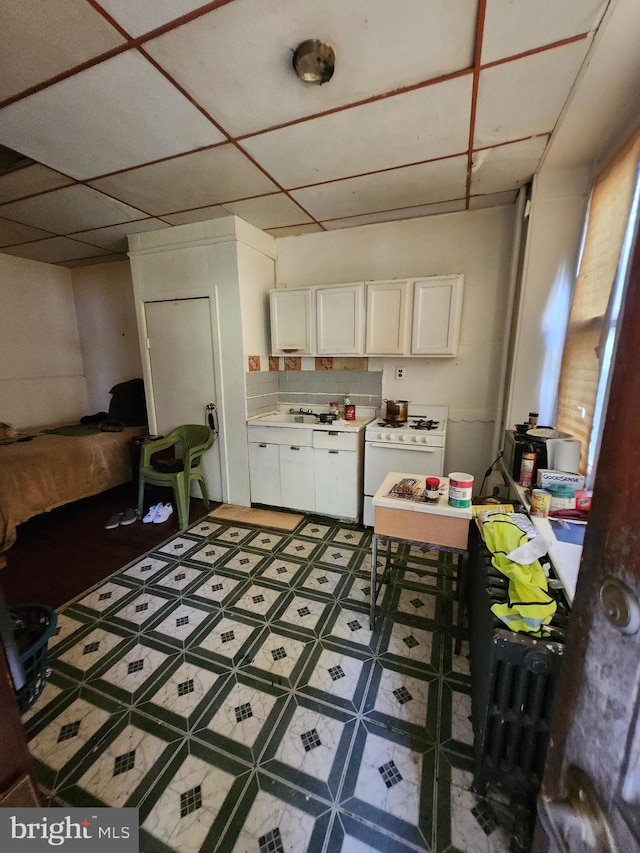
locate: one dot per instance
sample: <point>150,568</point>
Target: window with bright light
<point>596,304</point>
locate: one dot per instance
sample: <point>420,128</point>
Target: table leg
<point>461,594</point>
<point>373,590</point>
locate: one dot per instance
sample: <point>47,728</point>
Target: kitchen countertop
<point>367,414</point>
<point>442,507</point>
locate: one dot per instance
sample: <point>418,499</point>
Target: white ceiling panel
<point>90,262</point>
<point>515,26</point>
<point>407,128</point>
<point>395,215</point>
<point>28,181</point>
<point>506,167</point>
<point>141,16</point>
<point>200,214</point>
<point>525,97</point>
<point>492,200</point>
<point>294,230</point>
<point>114,238</point>
<point>269,211</point>
<point>109,117</point>
<point>208,177</point>
<point>443,180</point>
<point>229,56</point>
<point>70,209</point>
<point>14,232</point>
<point>40,39</point>
<point>54,250</point>
<point>138,138</point>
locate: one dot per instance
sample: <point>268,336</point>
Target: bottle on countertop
<point>533,420</point>
<point>349,409</point>
<point>334,408</point>
<point>528,466</point>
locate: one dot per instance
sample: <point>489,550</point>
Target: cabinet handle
<point>262,445</point>
<point>334,451</point>
<point>332,432</point>
<point>294,448</point>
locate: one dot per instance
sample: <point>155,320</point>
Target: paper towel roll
<point>565,454</point>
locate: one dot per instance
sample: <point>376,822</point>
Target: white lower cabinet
<point>297,477</point>
<point>264,469</point>
<point>312,471</point>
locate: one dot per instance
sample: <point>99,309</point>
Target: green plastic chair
<point>191,441</point>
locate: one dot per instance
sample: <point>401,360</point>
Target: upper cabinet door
<point>339,320</point>
<point>437,309</point>
<point>386,317</point>
<point>291,321</point>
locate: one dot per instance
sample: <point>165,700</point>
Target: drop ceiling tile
<point>90,262</point>
<point>146,15</point>
<point>426,183</point>
<point>409,128</point>
<point>13,232</point>
<point>200,214</point>
<point>269,211</point>
<point>30,180</point>
<point>40,39</point>
<point>70,209</point>
<point>114,237</point>
<point>113,116</point>
<point>479,202</point>
<point>515,26</point>
<point>525,97</point>
<point>54,250</point>
<point>241,53</point>
<point>391,216</point>
<point>294,230</point>
<point>206,178</point>
<point>506,167</point>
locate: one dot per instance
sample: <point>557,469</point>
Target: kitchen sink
<point>284,418</point>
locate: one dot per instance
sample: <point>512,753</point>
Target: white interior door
<point>180,341</point>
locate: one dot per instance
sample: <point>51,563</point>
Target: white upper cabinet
<point>340,320</point>
<point>386,317</point>
<point>291,321</point>
<point>437,309</point>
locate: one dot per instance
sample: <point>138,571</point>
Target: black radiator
<point>513,680</point>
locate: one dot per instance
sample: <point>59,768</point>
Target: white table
<point>437,525</point>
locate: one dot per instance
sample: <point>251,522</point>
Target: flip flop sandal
<point>114,521</point>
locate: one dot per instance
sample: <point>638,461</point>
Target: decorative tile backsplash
<point>292,362</point>
<point>254,363</point>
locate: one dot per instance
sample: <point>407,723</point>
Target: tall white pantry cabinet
<point>230,265</point>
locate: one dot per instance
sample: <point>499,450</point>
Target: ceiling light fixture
<point>314,61</point>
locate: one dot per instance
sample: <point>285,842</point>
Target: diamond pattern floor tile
<point>228,685</point>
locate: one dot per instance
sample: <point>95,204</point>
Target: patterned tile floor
<point>227,684</point>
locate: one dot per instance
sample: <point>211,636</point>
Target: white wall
<point>41,373</point>
<point>477,244</point>
<point>106,314</point>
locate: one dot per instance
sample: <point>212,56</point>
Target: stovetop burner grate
<point>425,424</point>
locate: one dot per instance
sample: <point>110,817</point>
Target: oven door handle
<point>422,449</point>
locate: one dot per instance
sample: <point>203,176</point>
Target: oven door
<point>380,459</point>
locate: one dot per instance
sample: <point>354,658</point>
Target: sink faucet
<point>305,411</point>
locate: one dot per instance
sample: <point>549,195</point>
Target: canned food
<point>562,497</point>
<point>540,503</point>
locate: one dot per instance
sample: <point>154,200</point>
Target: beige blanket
<point>51,470</point>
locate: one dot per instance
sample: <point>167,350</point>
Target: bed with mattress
<point>42,470</point>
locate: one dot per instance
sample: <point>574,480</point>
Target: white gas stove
<point>415,446</point>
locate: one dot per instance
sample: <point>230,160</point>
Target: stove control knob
<point>425,440</point>
<point>400,438</point>
<point>380,436</point>
<point>389,437</point>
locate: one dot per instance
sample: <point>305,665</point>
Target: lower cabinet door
<point>297,477</point>
<point>264,473</point>
<point>336,483</point>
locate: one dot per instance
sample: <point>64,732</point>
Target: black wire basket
<point>33,625</point>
